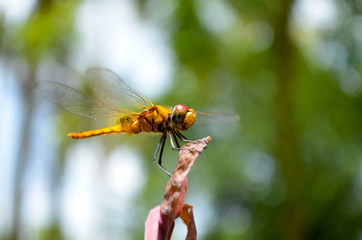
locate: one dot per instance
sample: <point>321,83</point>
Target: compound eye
<point>179,113</point>
<point>180,107</point>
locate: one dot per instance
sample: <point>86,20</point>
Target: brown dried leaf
<point>175,191</point>
<point>160,220</point>
<point>187,217</point>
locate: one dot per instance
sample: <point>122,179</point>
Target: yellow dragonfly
<point>125,110</point>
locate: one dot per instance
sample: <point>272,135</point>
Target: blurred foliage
<point>299,126</point>
<point>292,168</point>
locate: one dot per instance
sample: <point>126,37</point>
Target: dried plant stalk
<point>160,221</point>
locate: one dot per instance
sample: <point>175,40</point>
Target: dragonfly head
<point>183,117</point>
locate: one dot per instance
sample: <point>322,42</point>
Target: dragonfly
<point>125,110</point>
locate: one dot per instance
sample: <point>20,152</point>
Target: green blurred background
<point>290,169</point>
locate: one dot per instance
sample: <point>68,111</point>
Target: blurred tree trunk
<point>23,159</point>
<point>287,138</point>
<point>46,34</point>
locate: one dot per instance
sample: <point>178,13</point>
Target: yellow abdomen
<point>97,132</point>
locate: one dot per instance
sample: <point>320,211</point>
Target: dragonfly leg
<point>174,140</point>
<point>181,137</point>
<point>161,144</point>
<point>161,151</point>
<point>176,134</point>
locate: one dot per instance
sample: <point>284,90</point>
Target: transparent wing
<point>81,104</point>
<point>216,118</point>
<point>109,88</point>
